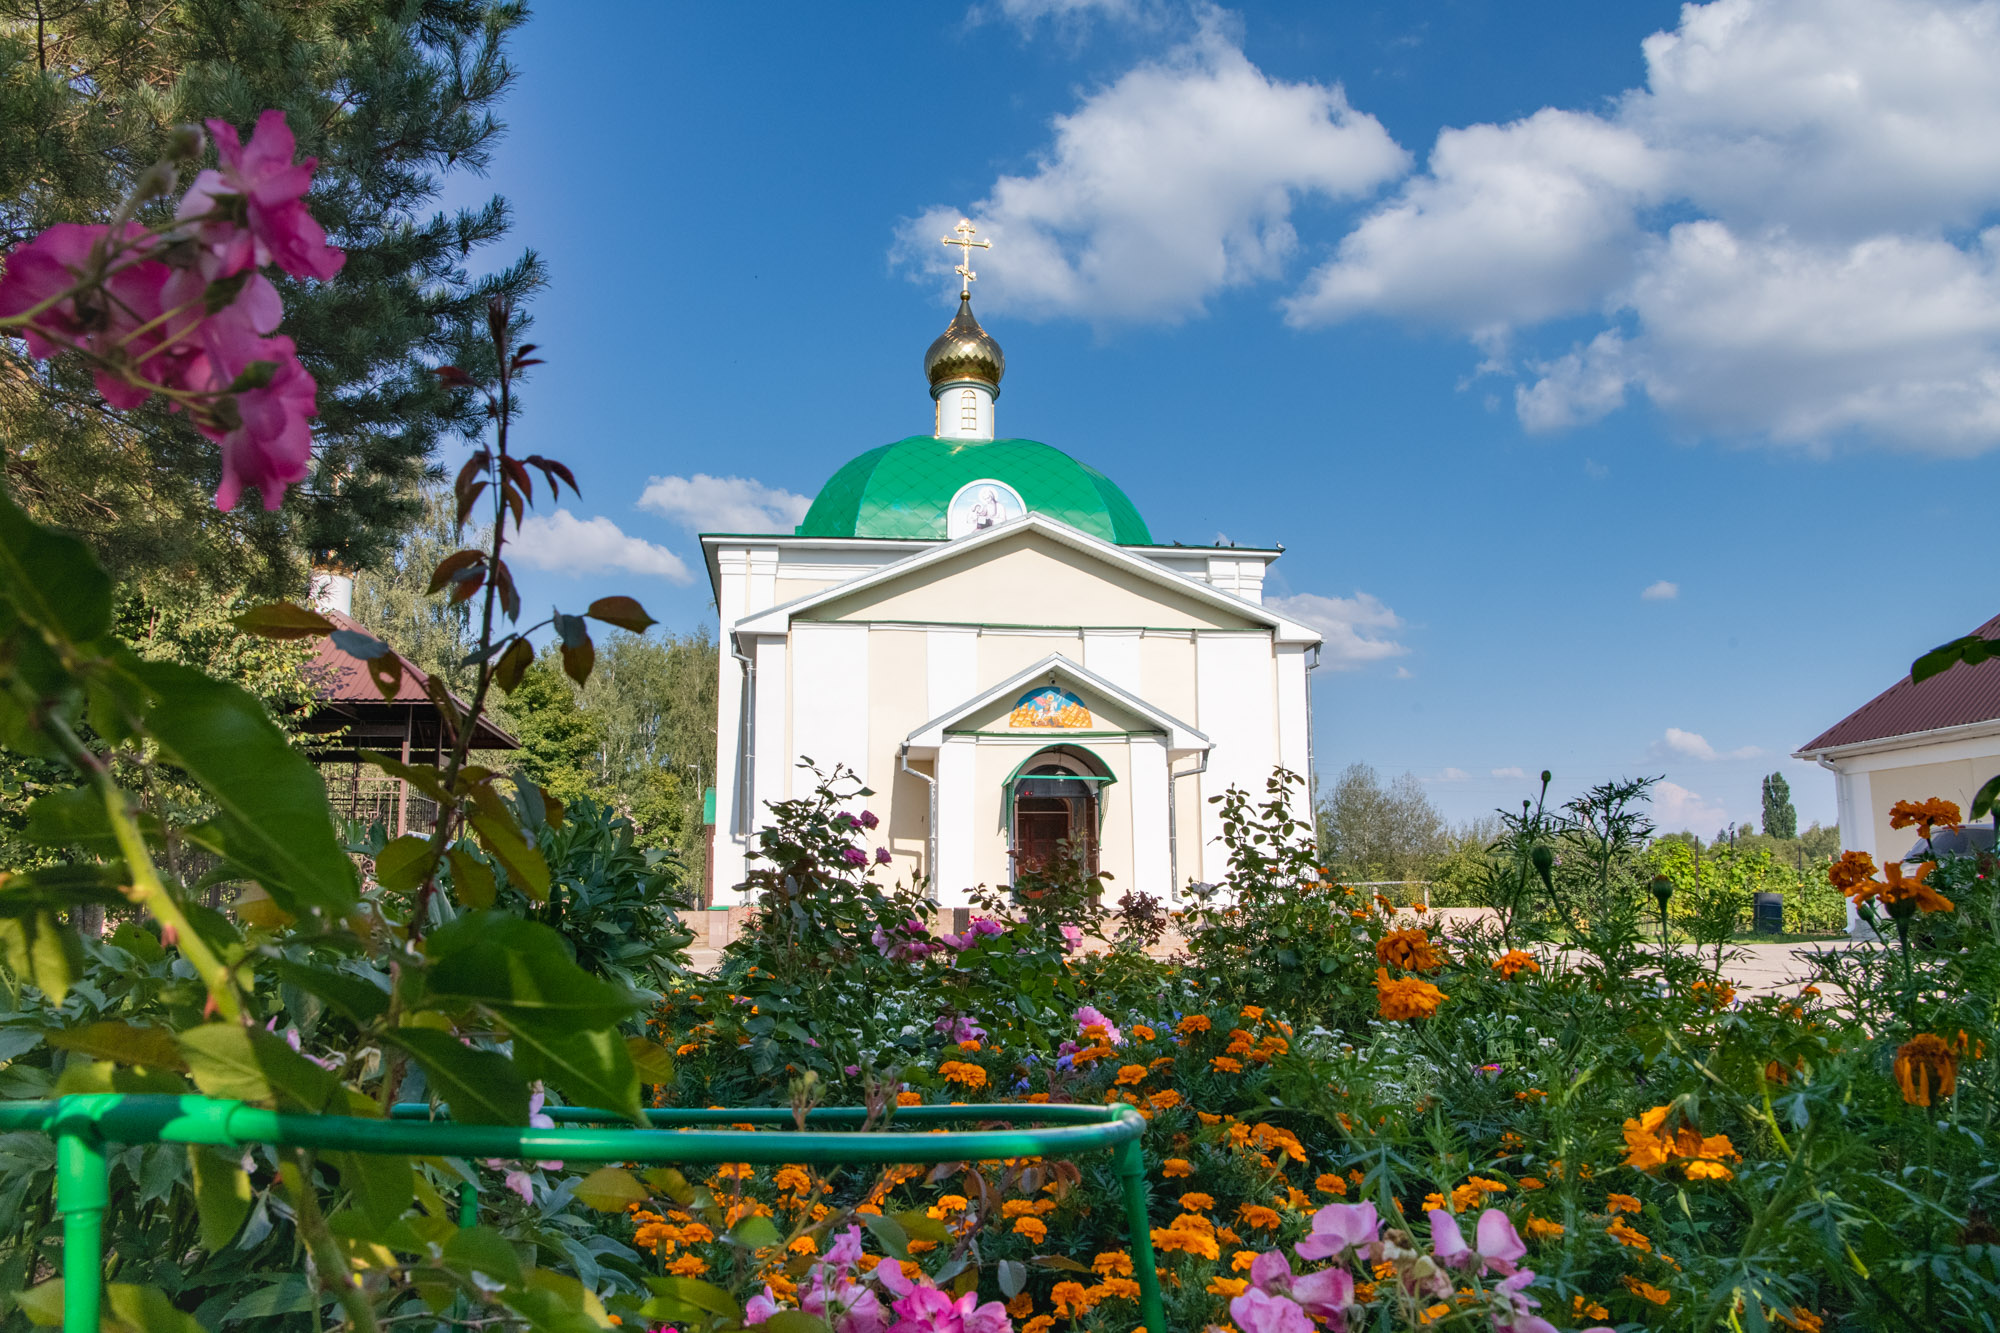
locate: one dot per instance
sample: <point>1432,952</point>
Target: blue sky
<point>1497,316</point>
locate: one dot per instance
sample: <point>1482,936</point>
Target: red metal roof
<point>348,694</point>
<point>1957,697</point>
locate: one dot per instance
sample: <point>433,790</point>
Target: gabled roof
<point>1180,736</point>
<point>1962,696</point>
<point>777,619</point>
<point>348,696</point>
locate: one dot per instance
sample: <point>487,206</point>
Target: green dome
<point>903,489</point>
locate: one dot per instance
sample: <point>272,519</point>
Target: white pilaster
<point>1114,655</point>
<point>1234,682</point>
<point>1294,711</point>
<point>1151,862</point>
<point>951,667</point>
<point>769,765</point>
<point>957,800</point>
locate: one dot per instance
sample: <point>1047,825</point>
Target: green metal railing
<point>82,1126</point>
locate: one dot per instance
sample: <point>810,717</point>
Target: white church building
<point>986,632</point>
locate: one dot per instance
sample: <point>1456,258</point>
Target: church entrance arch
<point>1055,798</point>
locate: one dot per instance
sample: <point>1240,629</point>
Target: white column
<point>732,765</point>
<point>1294,710</point>
<point>1151,866</point>
<point>1114,655</point>
<point>1854,806</point>
<point>760,585</point>
<point>829,700</point>
<point>951,667</point>
<point>957,800</point>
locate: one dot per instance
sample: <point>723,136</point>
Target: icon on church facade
<point>1049,706</point>
<point>979,505</point>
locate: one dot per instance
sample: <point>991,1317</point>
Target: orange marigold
<point>1514,962</point>
<point>1197,1203</point>
<point>1129,1074</point>
<point>1622,1203</point>
<point>1033,1228</point>
<point>1112,1263</point>
<point>1176,1166</point>
<point>1894,890</point>
<point>1164,1101</point>
<point>1259,1216</point>
<point>1193,1023</point>
<point>1645,1291</point>
<point>1851,869</point>
<point>1141,1032</point>
<point>1540,1228</point>
<point>968,1076</point>
<point>1926,1069</point>
<point>1411,949</point>
<point>1924,815</point>
<point>1224,1064</point>
<point>907,1098</point>
<point>1230,1287</point>
<point>1330,1184</point>
<point>1406,997</point>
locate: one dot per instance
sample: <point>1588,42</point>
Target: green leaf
<point>653,1061</point>
<point>51,578</point>
<point>1971,650</point>
<point>382,1187</point>
<point>221,1196</point>
<point>481,1249</point>
<point>1013,1277</point>
<point>754,1233</point>
<point>609,1189</point>
<point>1984,801</point>
<point>523,863</point>
<point>358,1000</point>
<point>669,1183</point>
<point>404,864</point>
<point>124,1043</point>
<point>924,1227</point>
<point>481,1087</point>
<point>39,948</point>
<point>73,817</point>
<point>282,620</point>
<point>42,1303</point>
<point>290,1294</point>
<point>794,1321</point>
<point>471,878</point>
<point>521,969</point>
<point>133,1309</point>
<point>888,1233</point>
<point>274,822</point>
<point>250,1064</point>
<point>591,1066</point>
<point>699,1295</point>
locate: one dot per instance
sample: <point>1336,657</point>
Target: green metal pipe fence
<point>83,1125</point>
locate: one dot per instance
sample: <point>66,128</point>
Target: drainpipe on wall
<point>1174,824</point>
<point>930,829</point>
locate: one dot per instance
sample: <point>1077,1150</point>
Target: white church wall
<point>1006,652</point>
<point>1167,673</point>
<point>951,668</point>
<point>1114,655</point>
<point>1236,686</point>
<point>959,835</point>
<point>1030,579</point>
<point>896,700</point>
<point>1146,790</point>
<point>829,666</point>
<point>1294,711</point>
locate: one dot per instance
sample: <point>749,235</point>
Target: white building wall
<point>965,412</point>
<point>1294,712</point>
<point>1151,872</point>
<point>958,829</point>
<point>951,667</point>
<point>768,776</point>
<point>829,673</point>
<point>1237,710</point>
<point>1114,655</point>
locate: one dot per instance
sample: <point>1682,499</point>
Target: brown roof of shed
<point>1957,697</point>
<point>350,701</point>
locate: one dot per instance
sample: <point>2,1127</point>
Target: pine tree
<point>391,96</point>
<point>1781,820</point>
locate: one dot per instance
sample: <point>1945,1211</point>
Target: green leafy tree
<point>392,96</point>
<point>1781,820</point>
<point>560,739</point>
<point>1371,831</point>
<point>655,696</point>
<point>392,597</point>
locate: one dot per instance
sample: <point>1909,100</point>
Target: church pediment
<point>1054,699</point>
<point>1032,571</point>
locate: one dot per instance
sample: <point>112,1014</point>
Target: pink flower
<point>1325,1294</point>
<point>1338,1227</point>
<point>272,188</point>
<point>854,856</point>
<point>1257,1311</point>
<point>1089,1017</point>
<point>760,1307</point>
<point>845,1252</point>
<point>1499,1245</point>
<point>928,1310</point>
<point>868,819</point>
<point>1513,1308</point>
<point>522,1184</point>
<point>41,269</point>
<point>1072,939</point>
<point>271,447</point>
<point>882,856</point>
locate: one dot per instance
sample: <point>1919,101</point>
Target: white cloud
<point>1833,154</point>
<point>1515,773</point>
<point>1675,809</point>
<point>1680,744</point>
<point>1451,775</point>
<point>1065,13</point>
<point>570,545</point>
<point>1356,628</point>
<point>1173,183</point>
<point>702,503</point>
<point>1664,591</point>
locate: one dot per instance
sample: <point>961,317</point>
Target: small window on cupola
<point>968,410</point>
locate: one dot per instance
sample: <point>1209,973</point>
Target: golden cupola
<point>964,351</point>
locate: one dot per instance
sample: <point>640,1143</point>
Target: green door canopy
<point>1095,783</point>
<point>903,490</point>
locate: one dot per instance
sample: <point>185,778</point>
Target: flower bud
<point>1663,889</point>
<point>185,143</point>
<point>157,180</point>
<point>1544,861</point>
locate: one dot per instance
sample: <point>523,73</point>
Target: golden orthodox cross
<point>966,245</point>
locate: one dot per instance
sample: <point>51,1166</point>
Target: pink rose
<point>1339,1227</point>
<point>272,187</point>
